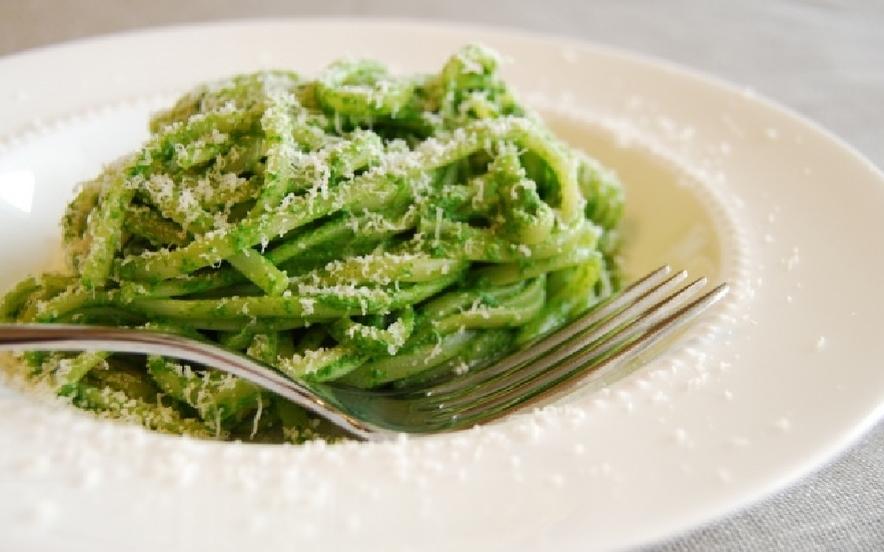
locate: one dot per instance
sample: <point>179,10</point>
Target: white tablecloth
<point>822,58</point>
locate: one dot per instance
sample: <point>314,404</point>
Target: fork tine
<point>597,341</point>
<point>558,375</point>
<point>634,296</point>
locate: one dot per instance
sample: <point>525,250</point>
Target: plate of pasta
<point>315,195</point>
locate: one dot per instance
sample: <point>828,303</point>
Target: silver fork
<point>599,346</point>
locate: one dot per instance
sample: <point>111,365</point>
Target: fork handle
<point>62,337</point>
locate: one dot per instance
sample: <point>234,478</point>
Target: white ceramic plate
<point>764,389</point>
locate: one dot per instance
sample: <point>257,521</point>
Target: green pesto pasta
<point>359,227</point>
